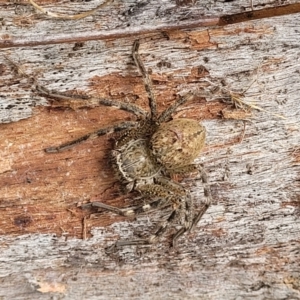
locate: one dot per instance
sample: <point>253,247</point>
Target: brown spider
<point>145,155</point>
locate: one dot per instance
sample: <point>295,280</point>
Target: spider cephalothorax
<point>145,155</point>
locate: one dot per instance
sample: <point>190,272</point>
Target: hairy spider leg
<point>163,198</point>
<point>207,194</point>
<point>166,114</point>
<point>205,205</point>
<point>182,230</point>
<point>152,239</point>
<point>130,211</point>
<point>131,108</point>
<point>99,132</point>
<point>147,81</point>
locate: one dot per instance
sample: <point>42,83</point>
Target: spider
<point>146,154</point>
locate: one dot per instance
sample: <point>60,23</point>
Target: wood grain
<point>247,244</point>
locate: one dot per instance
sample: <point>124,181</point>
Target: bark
<point>246,245</point>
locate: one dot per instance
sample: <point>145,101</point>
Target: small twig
<point>241,103</point>
<point>236,99</point>
<point>69,17</point>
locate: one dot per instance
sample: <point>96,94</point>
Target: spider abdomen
<point>178,143</point>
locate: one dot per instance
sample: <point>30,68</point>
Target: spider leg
<point>207,194</point>
<point>151,240</point>
<point>102,131</point>
<point>161,195</point>
<point>166,114</point>
<point>131,211</point>
<point>183,171</point>
<point>146,79</point>
<point>182,230</point>
<point>205,205</point>
<point>107,102</point>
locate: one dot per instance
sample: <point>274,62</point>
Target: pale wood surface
<point>247,244</point>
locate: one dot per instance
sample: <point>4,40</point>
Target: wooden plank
<point>246,245</point>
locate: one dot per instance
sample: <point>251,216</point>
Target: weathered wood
<point>246,245</point>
